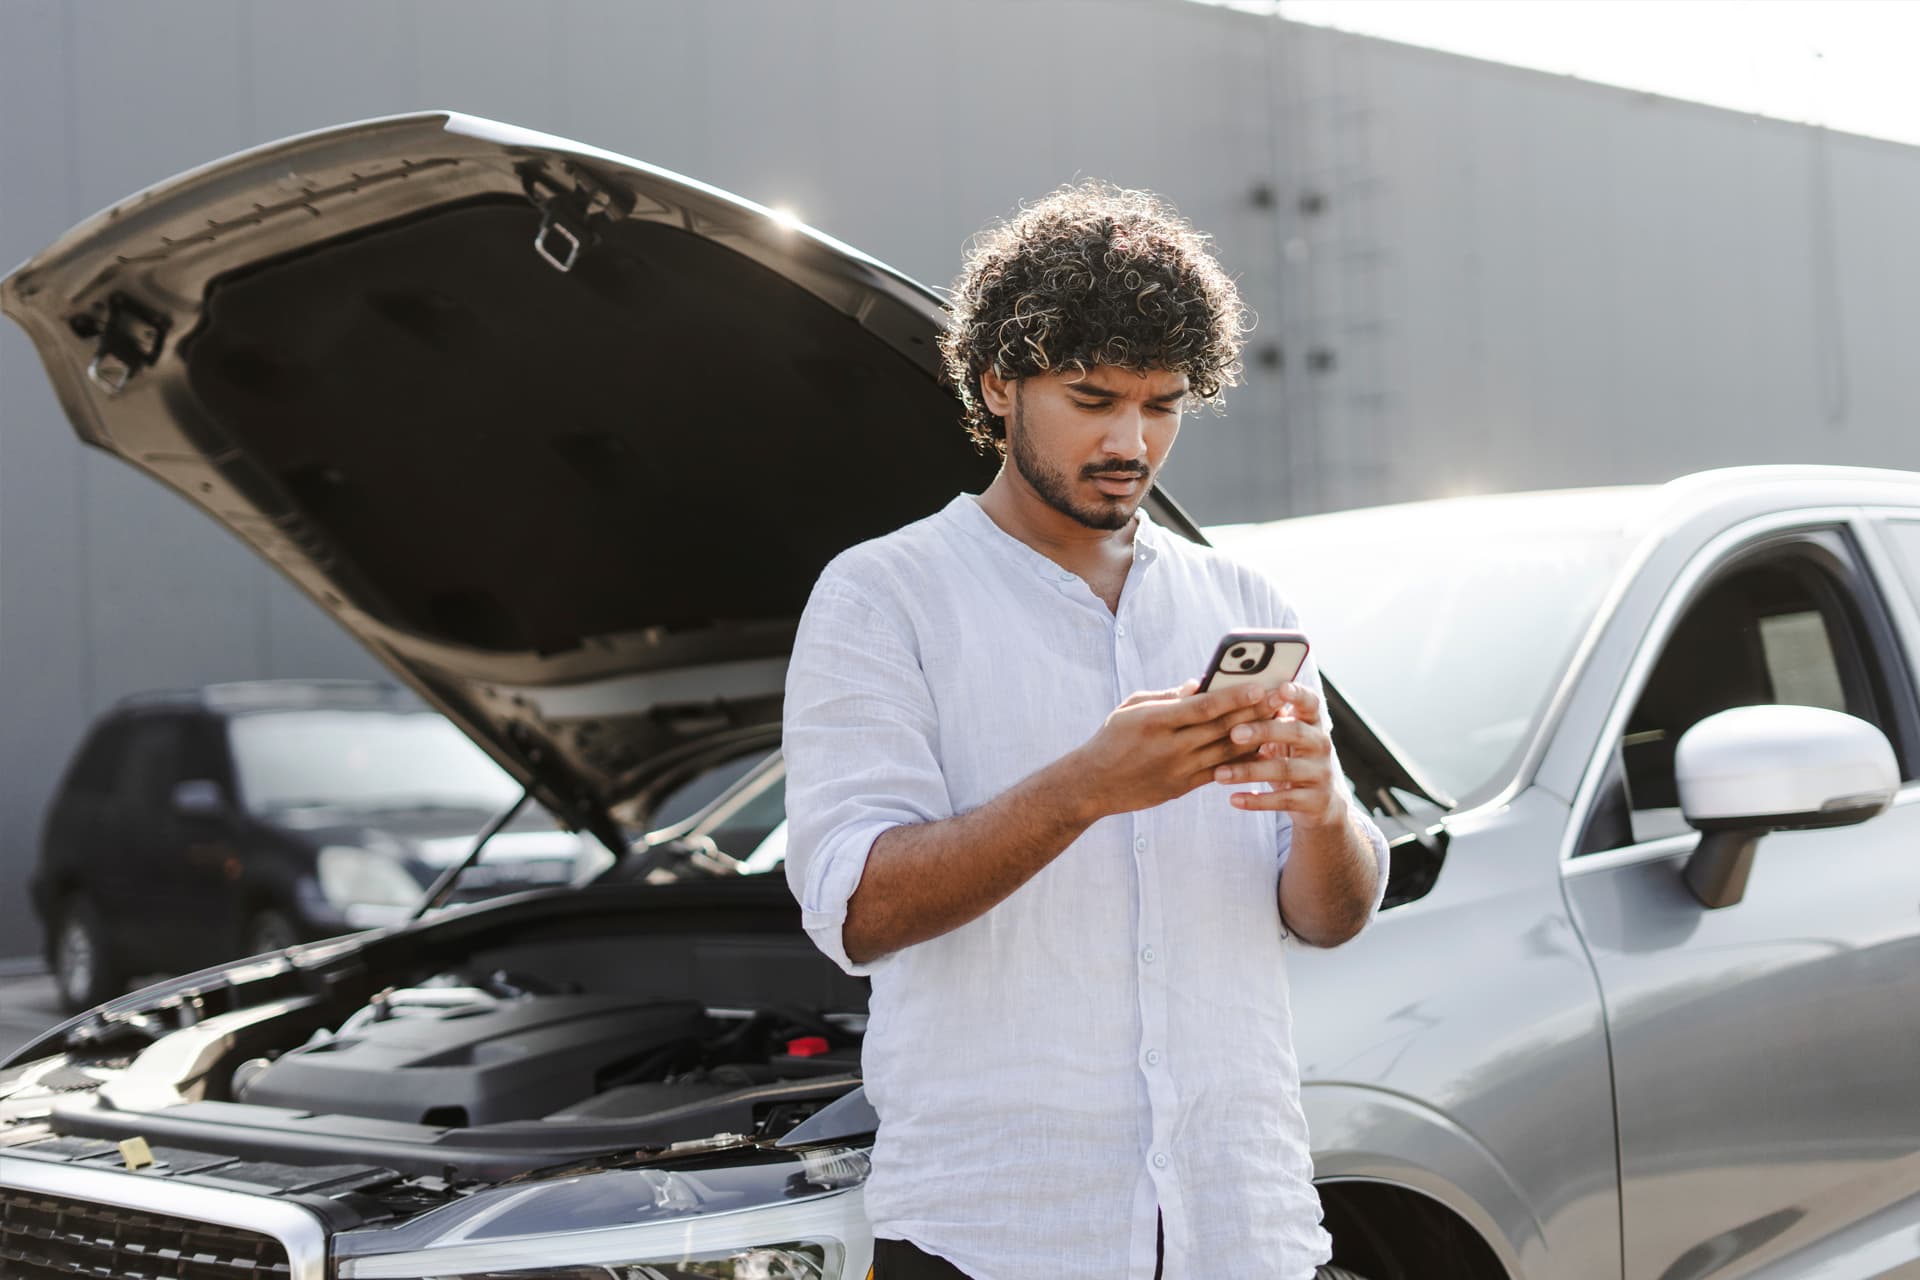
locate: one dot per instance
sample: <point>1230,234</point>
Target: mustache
<point>1093,469</point>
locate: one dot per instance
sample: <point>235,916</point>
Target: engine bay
<point>498,1077</point>
<point>454,1054</point>
<point>622,1028</point>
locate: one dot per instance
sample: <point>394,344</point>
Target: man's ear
<point>996,393</point>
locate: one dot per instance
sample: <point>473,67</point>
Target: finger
<point>1283,770</point>
<point>1195,780</point>
<point>1212,705</point>
<point>1298,800</point>
<point>1221,752</point>
<point>1301,738</point>
<point>1219,728</point>
<point>1220,732</point>
<point>1304,700</point>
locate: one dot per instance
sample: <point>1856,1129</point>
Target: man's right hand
<point>1158,745</point>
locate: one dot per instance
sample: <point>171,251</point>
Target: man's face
<point>1089,445</point>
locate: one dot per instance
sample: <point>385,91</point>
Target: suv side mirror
<point>199,798</point>
<point>1754,770</point>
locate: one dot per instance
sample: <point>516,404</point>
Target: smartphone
<point>1267,658</point>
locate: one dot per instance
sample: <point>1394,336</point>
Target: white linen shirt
<point>1113,1038</point>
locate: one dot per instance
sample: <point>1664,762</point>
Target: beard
<point>1051,483</point>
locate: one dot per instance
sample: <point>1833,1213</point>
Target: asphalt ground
<point>28,1006</point>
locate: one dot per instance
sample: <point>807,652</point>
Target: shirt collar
<point>965,510</point>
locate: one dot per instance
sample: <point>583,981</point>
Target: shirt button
<point>1121,630</point>
<point>1140,844</point>
<point>1146,955</point>
<point>1153,1057</point>
<point>1159,1159</point>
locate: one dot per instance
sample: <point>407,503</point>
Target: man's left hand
<point>1294,754</point>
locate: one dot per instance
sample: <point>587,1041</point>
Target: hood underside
<point>563,438</point>
<point>579,509</point>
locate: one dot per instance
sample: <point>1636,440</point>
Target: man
<point>1003,790</point>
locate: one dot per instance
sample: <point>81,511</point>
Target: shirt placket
<point>1153,1052</point>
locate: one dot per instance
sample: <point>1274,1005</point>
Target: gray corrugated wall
<point>1513,279</point>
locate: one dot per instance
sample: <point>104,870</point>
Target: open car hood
<point>562,437</point>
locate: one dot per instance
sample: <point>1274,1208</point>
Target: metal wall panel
<point>1467,276</point>
<point>1585,285</point>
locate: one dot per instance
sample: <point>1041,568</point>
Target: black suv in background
<point>200,826</point>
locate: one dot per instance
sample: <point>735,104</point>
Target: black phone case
<point>1283,646</point>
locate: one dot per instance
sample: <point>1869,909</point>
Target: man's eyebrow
<point>1102,393</point>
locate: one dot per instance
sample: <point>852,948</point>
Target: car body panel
<point>1484,1048</point>
<point>1762,1053</point>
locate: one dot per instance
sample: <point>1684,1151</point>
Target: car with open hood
<point>564,440</point>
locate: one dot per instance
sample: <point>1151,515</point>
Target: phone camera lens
<point>1238,651</point>
<point>1248,664</point>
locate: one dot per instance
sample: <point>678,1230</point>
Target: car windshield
<point>363,760</point>
<point>1448,623</point>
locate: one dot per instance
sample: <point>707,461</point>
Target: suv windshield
<point>363,760</point>
<point>1448,623</point>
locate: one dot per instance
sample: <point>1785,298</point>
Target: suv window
<point>1776,629</point>
<point>153,760</point>
<point>1905,536</point>
<point>734,820</point>
<point>97,766</point>
<point>702,789</point>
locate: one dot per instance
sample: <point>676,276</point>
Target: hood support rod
<point>444,885</point>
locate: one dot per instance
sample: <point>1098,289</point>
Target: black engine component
<point>483,1064</point>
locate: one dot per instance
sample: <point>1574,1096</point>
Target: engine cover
<point>514,1060</point>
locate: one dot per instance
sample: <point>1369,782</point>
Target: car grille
<point>45,1236</point>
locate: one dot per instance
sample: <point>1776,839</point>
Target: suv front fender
<point>1365,1134</point>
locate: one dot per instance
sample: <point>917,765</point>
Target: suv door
<point>76,858</point>
<point>1763,1053</point>
<point>148,886</point>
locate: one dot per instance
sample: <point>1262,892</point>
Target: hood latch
<point>567,217</point>
<point>129,340</point>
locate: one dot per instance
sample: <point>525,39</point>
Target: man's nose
<point>1126,432</point>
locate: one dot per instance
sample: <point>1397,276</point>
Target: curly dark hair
<point>1092,274</point>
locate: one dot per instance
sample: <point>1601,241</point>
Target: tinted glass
<point>1769,634</point>
<point>153,759</point>
<point>700,791</point>
<point>363,760</point>
<point>746,822</point>
<point>756,826</point>
<point>98,763</point>
<point>1905,536</point>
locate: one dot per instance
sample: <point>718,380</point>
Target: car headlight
<point>693,1225</point>
<point>351,876</point>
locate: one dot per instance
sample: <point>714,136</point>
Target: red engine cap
<point>808,1047</point>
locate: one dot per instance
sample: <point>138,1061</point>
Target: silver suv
<point>1645,1000</point>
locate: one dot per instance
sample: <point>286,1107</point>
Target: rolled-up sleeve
<point>860,745</point>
